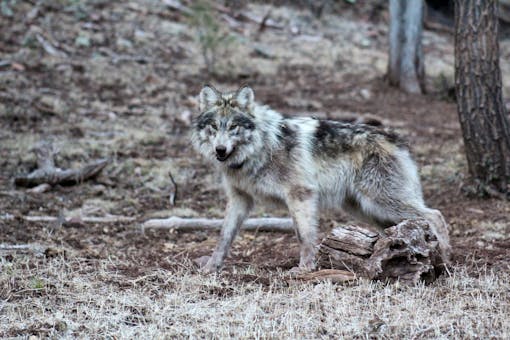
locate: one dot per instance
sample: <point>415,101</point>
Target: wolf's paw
<point>297,271</point>
<point>208,269</point>
<point>206,266</point>
<point>201,261</point>
<point>446,252</point>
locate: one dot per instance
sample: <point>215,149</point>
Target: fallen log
<point>408,252</point>
<point>48,173</point>
<point>192,224</point>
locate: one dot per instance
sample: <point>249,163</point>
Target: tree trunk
<point>406,68</point>
<point>480,106</point>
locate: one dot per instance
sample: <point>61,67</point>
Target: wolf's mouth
<point>223,158</point>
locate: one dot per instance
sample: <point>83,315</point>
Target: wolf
<point>307,165</point>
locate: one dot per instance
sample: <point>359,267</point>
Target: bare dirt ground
<point>119,80</point>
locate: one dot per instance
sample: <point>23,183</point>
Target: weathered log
<point>408,252</point>
<point>192,224</point>
<point>48,173</point>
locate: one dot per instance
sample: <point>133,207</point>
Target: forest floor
<point>119,80</point>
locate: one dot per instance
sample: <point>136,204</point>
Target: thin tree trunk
<point>396,10</point>
<point>480,106</point>
<point>405,66</point>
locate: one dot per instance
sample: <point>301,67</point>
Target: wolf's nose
<point>221,150</point>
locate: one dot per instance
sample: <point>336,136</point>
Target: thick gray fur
<point>307,165</point>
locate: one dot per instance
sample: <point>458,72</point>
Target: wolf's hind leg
<point>388,190</point>
<point>391,211</point>
<point>238,207</point>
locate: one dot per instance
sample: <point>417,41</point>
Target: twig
<point>263,22</point>
<point>192,224</point>
<point>173,190</point>
<point>21,249</point>
<point>49,48</point>
<point>8,247</point>
<point>39,189</point>
<point>436,26</point>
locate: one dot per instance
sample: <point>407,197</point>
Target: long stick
<point>71,219</point>
<point>190,224</point>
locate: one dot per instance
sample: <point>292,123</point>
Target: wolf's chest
<point>261,188</point>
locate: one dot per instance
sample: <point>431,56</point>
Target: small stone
<point>365,42</point>
<point>51,105</point>
<point>365,94</point>
<point>124,43</point>
<point>82,41</point>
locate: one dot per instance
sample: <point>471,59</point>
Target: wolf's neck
<point>269,122</point>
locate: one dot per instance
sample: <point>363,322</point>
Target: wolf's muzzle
<point>221,153</point>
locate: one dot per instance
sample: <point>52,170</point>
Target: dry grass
<point>79,297</point>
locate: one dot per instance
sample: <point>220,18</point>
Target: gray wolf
<point>307,165</point>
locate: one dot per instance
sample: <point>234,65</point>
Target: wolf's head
<point>225,130</point>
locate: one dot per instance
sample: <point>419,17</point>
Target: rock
<point>51,105</point>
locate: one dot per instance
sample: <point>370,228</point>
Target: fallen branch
<point>48,173</point>
<point>30,249</point>
<point>333,275</point>
<point>70,221</point>
<point>192,224</point>
<point>7,249</point>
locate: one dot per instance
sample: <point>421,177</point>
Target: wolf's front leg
<point>302,205</point>
<point>238,207</point>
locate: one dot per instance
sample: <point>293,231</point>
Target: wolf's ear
<point>245,97</point>
<point>208,97</point>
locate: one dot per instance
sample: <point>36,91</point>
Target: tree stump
<point>408,252</point>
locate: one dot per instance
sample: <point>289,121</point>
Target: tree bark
<point>405,67</point>
<point>482,114</point>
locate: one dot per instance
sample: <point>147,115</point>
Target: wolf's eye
<point>214,126</point>
<point>233,127</point>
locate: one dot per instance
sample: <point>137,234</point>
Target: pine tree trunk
<point>480,106</point>
<point>406,67</point>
